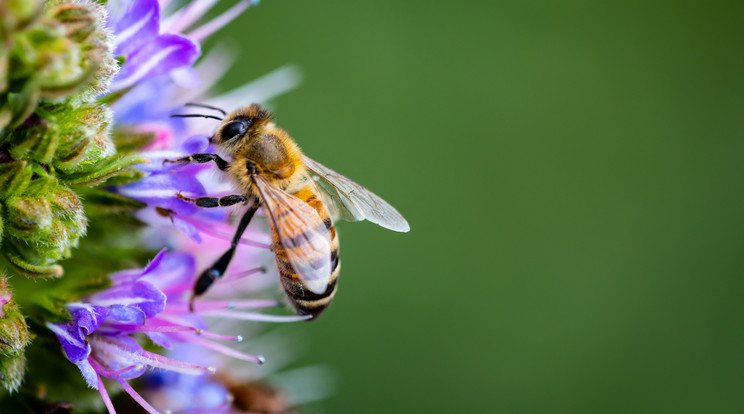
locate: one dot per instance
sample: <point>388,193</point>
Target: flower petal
<point>85,320</point>
<point>161,55</point>
<point>139,23</point>
<point>160,190</point>
<point>155,262</point>
<point>73,343</point>
<point>161,339</point>
<point>88,373</point>
<point>115,353</point>
<point>188,229</point>
<point>126,314</point>
<point>142,295</point>
<point>87,317</point>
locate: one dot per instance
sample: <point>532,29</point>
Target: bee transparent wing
<point>351,201</point>
<point>302,233</point>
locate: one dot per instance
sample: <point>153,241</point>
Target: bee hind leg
<point>218,269</point>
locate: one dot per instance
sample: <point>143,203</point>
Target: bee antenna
<point>205,106</point>
<point>196,116</point>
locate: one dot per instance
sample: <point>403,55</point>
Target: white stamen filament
<point>258,317</point>
<point>207,305</point>
<point>227,351</point>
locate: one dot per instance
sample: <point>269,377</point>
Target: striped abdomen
<point>302,299</point>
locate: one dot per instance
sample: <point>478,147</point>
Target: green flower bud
<point>78,20</point>
<point>55,138</point>
<point>14,178</point>
<point>12,369</point>
<point>86,141</point>
<point>85,24</point>
<point>28,217</point>
<point>16,14</point>
<point>37,142</point>
<point>13,328</point>
<point>13,339</point>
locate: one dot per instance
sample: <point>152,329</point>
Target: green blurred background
<point>572,172</point>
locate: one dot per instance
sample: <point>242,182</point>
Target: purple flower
<point>98,340</point>
<point>153,46</point>
<point>148,53</point>
<point>153,300</point>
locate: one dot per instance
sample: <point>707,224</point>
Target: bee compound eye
<point>233,130</point>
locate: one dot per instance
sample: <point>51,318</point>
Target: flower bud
<point>13,328</point>
<point>12,369</point>
<point>29,217</point>
<point>85,140</point>
<point>13,339</point>
<point>76,19</point>
<point>15,14</point>
<point>85,24</point>
<point>36,142</point>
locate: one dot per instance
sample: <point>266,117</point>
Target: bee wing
<point>351,201</point>
<point>302,233</point>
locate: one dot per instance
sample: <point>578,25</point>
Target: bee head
<point>243,123</point>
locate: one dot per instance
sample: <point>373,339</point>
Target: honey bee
<point>301,197</point>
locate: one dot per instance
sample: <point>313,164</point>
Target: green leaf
<point>127,140</point>
<point>125,176</point>
<point>102,170</point>
<point>41,185</point>
<point>100,202</point>
<point>22,103</point>
<point>14,178</point>
<point>111,98</point>
<point>28,269</point>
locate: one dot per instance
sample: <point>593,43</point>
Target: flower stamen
<point>109,373</point>
<point>141,401</point>
<point>259,359</point>
<point>104,396</point>
<point>252,316</point>
<point>208,305</point>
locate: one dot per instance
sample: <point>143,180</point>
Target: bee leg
<point>219,267</point>
<point>210,202</point>
<point>201,159</point>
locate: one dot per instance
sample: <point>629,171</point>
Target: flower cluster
<point>54,136</point>
<point>99,338</point>
<point>87,90</point>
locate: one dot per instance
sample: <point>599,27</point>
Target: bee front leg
<point>211,202</point>
<point>201,159</point>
